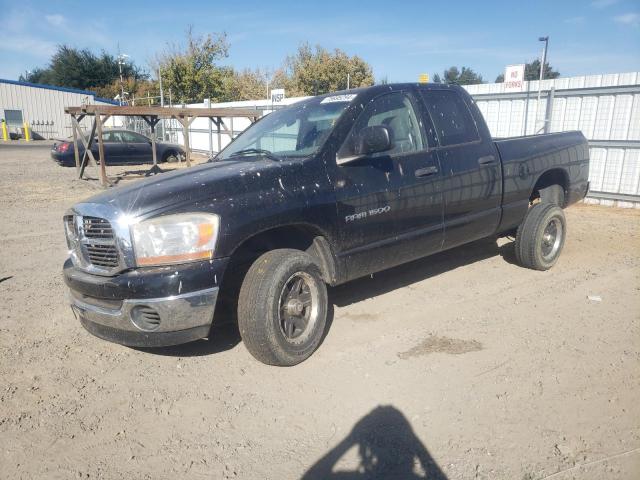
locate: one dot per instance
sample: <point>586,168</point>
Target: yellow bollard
<point>5,132</point>
<point>27,132</point>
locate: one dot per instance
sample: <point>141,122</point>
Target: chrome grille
<point>92,243</point>
<point>102,255</point>
<point>98,228</point>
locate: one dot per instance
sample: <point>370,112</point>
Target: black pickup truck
<point>321,192</point>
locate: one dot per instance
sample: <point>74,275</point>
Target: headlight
<point>175,238</point>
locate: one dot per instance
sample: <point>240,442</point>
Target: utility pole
<point>121,57</point>
<point>348,80</point>
<point>544,60</point>
<point>161,90</point>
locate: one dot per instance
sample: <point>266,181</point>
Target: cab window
<point>131,137</point>
<point>110,137</point>
<point>394,111</point>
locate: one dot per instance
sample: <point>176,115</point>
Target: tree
<point>453,76</point>
<point>247,85</point>
<point>74,68</point>
<point>134,89</point>
<point>192,73</point>
<point>317,71</point>
<point>532,72</point>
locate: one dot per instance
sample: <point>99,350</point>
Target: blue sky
<point>399,39</point>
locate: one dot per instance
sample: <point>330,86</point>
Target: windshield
<point>294,132</point>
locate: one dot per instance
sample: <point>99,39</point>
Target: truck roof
<point>374,89</point>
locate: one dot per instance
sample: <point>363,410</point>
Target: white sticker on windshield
<point>340,98</point>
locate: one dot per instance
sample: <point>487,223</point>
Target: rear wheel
<point>541,236</point>
<point>282,307</point>
<point>552,194</point>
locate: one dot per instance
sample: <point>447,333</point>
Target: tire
<point>552,194</point>
<point>170,157</point>
<point>541,236</point>
<point>282,321</point>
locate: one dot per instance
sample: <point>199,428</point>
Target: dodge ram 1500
<point>322,192</point>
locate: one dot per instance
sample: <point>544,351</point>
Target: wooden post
<point>222,125</point>
<point>219,124</point>
<point>87,148</point>
<point>186,123</point>
<point>103,158</point>
<point>76,154</point>
<point>152,121</point>
<point>152,124</point>
<point>185,132</point>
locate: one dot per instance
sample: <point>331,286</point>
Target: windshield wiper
<point>254,151</point>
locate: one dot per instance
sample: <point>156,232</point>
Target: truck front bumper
<point>147,308</point>
<point>152,322</point>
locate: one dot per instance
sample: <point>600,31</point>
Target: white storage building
<point>42,107</point>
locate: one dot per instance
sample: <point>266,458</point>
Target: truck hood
<point>208,182</point>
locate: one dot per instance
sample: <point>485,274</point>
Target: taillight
<point>63,147</point>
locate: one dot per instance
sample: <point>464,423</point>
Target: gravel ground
<point>459,366</point>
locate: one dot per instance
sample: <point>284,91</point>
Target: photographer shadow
<point>388,449</point>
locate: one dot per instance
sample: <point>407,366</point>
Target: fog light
<point>145,318</point>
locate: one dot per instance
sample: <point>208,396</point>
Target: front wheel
<point>171,158</point>
<point>541,236</point>
<point>282,307</point>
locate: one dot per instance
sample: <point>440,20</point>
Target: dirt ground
<point>460,366</point>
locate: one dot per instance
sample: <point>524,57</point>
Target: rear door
<point>472,177</point>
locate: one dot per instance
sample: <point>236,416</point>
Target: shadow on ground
<point>387,448</point>
<point>419,270</point>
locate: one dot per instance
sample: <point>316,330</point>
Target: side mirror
<point>370,140</point>
<point>373,139</point>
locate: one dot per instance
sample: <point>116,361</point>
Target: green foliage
<point>191,73</point>
<point>532,72</point>
<point>247,85</point>
<point>314,71</point>
<point>453,76</point>
<point>74,68</point>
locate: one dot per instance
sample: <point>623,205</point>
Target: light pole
<point>121,58</point>
<point>544,60</point>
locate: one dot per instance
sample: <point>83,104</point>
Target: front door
<point>139,147</point>
<point>114,148</point>
<point>388,202</point>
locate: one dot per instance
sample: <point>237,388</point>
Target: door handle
<point>426,172</point>
<point>488,160</point>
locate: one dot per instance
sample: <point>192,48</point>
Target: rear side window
<point>451,117</point>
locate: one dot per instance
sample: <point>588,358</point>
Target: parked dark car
<point>120,147</point>
<point>321,192</point>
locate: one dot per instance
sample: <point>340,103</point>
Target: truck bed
<point>524,159</point>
